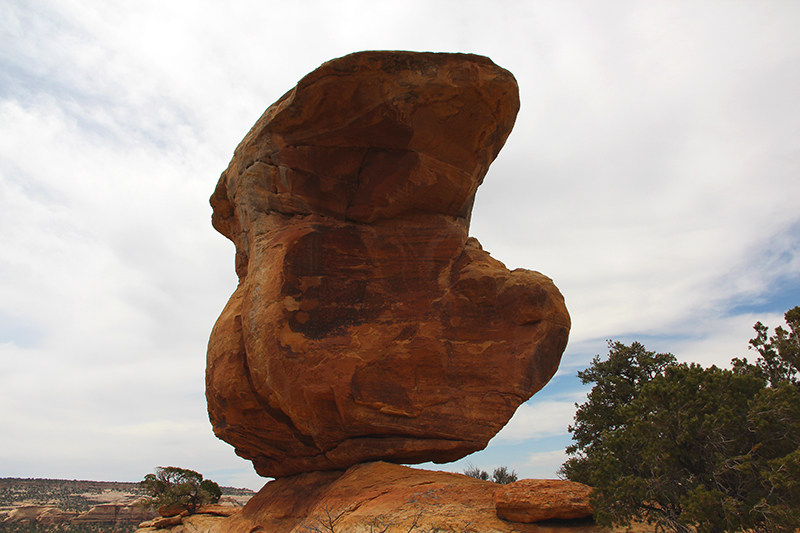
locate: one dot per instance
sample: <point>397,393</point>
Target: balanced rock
<point>534,500</point>
<point>367,325</point>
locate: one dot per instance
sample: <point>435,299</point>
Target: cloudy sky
<point>652,173</point>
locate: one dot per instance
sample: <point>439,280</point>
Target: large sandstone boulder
<point>534,500</point>
<point>366,324</point>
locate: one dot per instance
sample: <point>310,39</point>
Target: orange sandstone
<point>534,500</point>
<point>367,325</point>
<point>381,497</point>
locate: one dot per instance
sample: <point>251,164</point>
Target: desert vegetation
<point>501,475</point>
<point>178,488</point>
<point>75,496</point>
<point>686,447</point>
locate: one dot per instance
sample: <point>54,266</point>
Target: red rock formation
<point>219,509</point>
<point>207,519</point>
<point>366,324</point>
<point>372,496</point>
<point>534,500</point>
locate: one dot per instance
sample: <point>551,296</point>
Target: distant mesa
<point>367,325</point>
<point>78,505</point>
<point>45,515</point>
<point>127,512</point>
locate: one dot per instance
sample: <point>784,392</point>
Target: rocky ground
<point>382,497</point>
<point>32,505</point>
<point>368,498</point>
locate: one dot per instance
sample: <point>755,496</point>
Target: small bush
<point>500,475</point>
<point>477,473</point>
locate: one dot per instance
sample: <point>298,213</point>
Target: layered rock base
<point>374,497</point>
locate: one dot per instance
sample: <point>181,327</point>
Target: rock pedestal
<point>373,497</point>
<point>366,324</point>
<point>381,497</point>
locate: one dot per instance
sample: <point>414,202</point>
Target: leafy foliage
<point>618,381</point>
<point>213,490</point>
<point>779,354</point>
<point>684,446</point>
<point>502,475</point>
<point>172,486</point>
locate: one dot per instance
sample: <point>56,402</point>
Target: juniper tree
<point>173,486</point>
<point>685,446</point>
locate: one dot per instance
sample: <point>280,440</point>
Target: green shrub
<point>500,475</point>
<point>693,448</point>
<point>178,487</point>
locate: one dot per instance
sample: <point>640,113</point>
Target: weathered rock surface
<point>113,513</point>
<point>201,523</point>
<point>163,522</point>
<point>371,496</point>
<point>366,324</point>
<point>534,500</point>
<point>219,510</point>
<point>206,519</point>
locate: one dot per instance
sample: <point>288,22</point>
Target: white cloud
<point>651,174</point>
<point>725,339</point>
<point>543,465</point>
<point>546,459</point>
<point>537,419</point>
